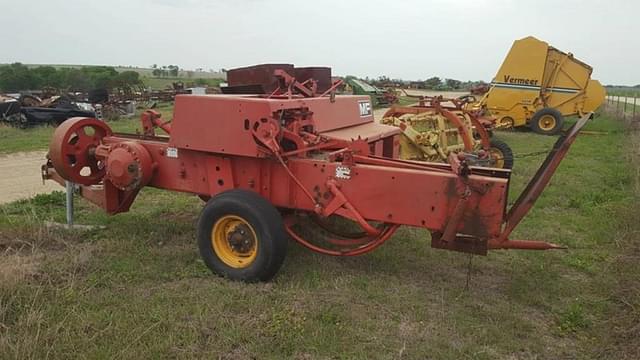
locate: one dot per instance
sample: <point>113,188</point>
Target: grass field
<point>164,83</point>
<point>623,91</point>
<point>138,289</point>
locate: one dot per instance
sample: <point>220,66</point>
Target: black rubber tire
<point>506,151</point>
<point>468,98</point>
<point>534,123</point>
<point>267,224</point>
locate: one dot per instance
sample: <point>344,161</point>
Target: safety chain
<point>535,153</point>
<point>520,156</point>
<point>609,132</point>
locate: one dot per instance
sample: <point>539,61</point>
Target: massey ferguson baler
<point>267,164</point>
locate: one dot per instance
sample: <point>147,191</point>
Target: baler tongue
<point>534,188</point>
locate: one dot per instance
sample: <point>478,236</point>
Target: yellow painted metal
<point>498,157</point>
<point>535,75</point>
<point>547,122</point>
<point>429,136</point>
<point>240,256</point>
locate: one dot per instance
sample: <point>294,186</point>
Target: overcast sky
<point>461,39</point>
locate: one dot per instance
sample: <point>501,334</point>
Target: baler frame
<point>267,151</point>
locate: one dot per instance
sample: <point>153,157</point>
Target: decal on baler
<point>172,152</point>
<point>365,108</point>
<point>343,172</point>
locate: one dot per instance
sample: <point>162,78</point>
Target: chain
<point>609,132</point>
<point>535,153</point>
<point>544,152</point>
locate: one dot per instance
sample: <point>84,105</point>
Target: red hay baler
<point>267,163</point>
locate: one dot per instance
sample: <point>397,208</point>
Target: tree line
<point>18,77</point>
<point>165,70</point>
<point>432,83</point>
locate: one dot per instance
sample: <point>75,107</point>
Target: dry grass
<point>622,328</point>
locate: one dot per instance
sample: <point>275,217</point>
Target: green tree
<point>453,84</point>
<point>173,70</point>
<point>77,80</point>
<point>432,83</point>
<point>100,76</point>
<point>46,76</point>
<point>127,78</point>
<point>17,77</point>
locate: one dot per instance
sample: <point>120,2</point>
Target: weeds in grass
<point>573,318</point>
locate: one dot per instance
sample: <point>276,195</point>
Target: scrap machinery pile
<point>29,110</point>
<point>267,163</point>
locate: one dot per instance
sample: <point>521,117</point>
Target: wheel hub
<point>240,239</point>
<point>497,158</point>
<point>129,166</point>
<point>547,122</point>
<point>234,241</point>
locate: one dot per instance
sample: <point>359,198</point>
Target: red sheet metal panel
<point>257,76</point>
<point>321,74</point>
<point>219,124</point>
<point>371,131</point>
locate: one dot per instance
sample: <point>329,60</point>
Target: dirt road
<point>20,176</point>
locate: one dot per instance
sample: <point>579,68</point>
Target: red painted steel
<point>320,74</point>
<point>317,155</point>
<point>72,148</point>
<point>257,79</point>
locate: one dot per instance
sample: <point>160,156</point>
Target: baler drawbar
<point>266,164</point>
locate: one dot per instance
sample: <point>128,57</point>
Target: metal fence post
<point>624,108</point>
<point>69,188</point>
<point>634,106</point>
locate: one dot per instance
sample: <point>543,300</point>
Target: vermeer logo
<point>521,81</point>
<point>365,108</point>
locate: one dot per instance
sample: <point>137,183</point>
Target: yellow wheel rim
<point>547,122</point>
<point>234,241</point>
<point>498,157</point>
<point>505,123</point>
